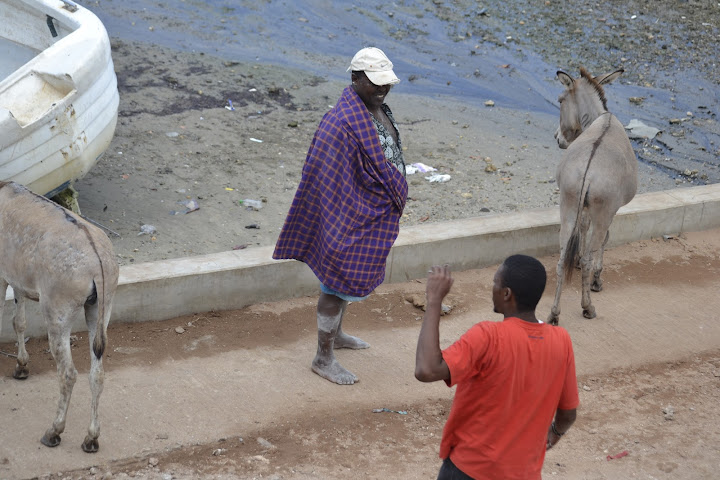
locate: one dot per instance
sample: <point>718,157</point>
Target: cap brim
<point>383,78</point>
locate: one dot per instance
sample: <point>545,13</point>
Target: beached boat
<point>58,93</point>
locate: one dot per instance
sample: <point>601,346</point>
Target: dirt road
<point>233,396</point>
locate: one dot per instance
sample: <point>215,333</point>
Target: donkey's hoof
<point>21,372</point>
<point>589,312</point>
<point>596,287</point>
<point>553,320</point>
<point>50,439</point>
<point>90,445</point>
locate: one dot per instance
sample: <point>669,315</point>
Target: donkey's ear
<point>608,77</point>
<point>564,78</point>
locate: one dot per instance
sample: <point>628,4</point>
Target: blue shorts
<point>347,298</point>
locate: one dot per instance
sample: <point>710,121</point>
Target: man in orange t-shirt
<point>516,387</point>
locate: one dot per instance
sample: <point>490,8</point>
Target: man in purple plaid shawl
<point>346,211</point>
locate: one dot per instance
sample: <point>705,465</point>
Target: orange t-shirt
<point>511,377</point>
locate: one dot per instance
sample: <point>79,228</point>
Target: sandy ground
<point>233,396</point>
<point>174,144</point>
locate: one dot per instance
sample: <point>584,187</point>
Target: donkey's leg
<point>21,370</point>
<point>58,323</point>
<point>554,317</point>
<point>20,324</point>
<point>597,284</point>
<point>598,237</point>
<point>566,228</point>
<point>96,378</point>
<point>586,302</point>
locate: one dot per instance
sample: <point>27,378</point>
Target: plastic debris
<point>147,230</point>
<point>190,206</point>
<point>255,140</point>
<point>172,134</point>
<point>229,106</point>
<point>251,204</point>
<point>438,178</point>
<point>253,225</point>
<point>624,453</point>
<point>639,130</point>
<point>380,410</point>
<point>489,103</point>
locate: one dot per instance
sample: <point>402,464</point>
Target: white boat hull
<point>58,94</point>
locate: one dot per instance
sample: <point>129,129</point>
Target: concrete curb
<point>230,280</point>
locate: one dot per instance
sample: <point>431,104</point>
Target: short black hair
<point>526,277</point>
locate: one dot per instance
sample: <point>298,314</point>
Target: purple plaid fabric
<point>346,211</point>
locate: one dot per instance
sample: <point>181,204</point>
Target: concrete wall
<point>228,280</point>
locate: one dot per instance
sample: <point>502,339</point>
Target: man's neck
<point>526,316</point>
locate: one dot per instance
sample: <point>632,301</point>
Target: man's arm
<point>563,421</point>
<point>429,363</point>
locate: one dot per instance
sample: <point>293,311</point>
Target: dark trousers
<point>449,471</point>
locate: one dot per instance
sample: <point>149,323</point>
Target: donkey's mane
<point>598,88</point>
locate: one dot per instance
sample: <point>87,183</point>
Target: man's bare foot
<point>343,340</point>
<point>333,371</point>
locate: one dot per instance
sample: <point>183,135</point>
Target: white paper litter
<point>422,168</point>
<point>438,178</point>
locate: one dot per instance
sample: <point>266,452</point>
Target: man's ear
<point>507,294</point>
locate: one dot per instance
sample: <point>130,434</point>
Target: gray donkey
<point>49,254</point>
<point>597,176</point>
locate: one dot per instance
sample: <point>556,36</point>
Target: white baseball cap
<point>376,65</point>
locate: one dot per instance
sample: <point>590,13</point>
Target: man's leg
<point>448,471</point>
<point>343,340</point>
<point>330,310</point>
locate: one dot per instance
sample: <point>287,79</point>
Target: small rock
<point>219,451</point>
<point>260,458</point>
<point>153,461</point>
<point>94,470</point>
<point>586,388</point>
<point>179,330</point>
<point>489,103</point>
<point>417,301</point>
<point>265,443</point>
<point>669,412</point>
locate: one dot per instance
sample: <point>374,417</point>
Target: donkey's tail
<point>572,249</point>
<point>572,252</point>
<point>100,340</point>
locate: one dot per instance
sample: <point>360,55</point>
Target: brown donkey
<point>597,176</point>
